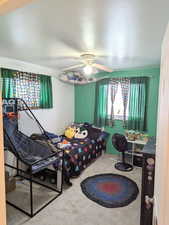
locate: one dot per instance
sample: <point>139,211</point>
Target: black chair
<point>120,144</point>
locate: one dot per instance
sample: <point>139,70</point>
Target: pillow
<point>93,132</point>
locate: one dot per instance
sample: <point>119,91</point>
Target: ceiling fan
<point>88,64</point>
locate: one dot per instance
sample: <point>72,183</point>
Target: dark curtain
<point>7,83</point>
<point>46,98</point>
<point>125,86</point>
<point>137,104</point>
<point>114,87</point>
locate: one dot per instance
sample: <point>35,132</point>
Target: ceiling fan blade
<point>101,67</point>
<point>73,67</point>
<point>58,58</point>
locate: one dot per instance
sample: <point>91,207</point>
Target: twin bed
<point>82,153</point>
<point>82,144</point>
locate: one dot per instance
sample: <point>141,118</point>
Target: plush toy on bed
<point>70,132</point>
<point>87,131</point>
<point>81,133</point>
<point>93,132</point>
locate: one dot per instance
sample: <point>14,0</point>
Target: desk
<point>139,142</point>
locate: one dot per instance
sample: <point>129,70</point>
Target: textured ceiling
<point>53,33</point>
<point>7,6</point>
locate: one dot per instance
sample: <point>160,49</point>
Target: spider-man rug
<point>110,190</point>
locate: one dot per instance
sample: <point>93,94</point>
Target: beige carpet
<point>74,208</point>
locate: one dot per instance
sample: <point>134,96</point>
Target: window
<point>124,99</point>
<point>27,87</point>
<point>116,106</point>
<point>34,89</point>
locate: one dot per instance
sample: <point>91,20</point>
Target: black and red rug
<point>110,190</point>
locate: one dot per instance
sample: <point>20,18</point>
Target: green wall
<point>85,102</point>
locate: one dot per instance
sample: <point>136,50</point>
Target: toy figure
<point>81,133</point>
<point>70,132</point>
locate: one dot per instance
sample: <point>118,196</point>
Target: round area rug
<point>110,190</point>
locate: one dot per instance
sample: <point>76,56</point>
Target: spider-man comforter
<point>79,154</point>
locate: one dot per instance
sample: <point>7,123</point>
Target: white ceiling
<point>8,6</point>
<point>53,33</point>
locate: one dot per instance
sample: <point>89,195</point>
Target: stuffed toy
<point>70,132</point>
<point>81,133</point>
<point>93,132</point>
<point>64,144</point>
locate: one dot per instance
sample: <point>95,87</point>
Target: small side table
<point>134,143</point>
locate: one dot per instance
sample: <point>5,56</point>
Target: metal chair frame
<point>59,156</point>
<point>29,176</point>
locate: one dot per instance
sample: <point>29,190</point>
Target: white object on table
<point>137,141</point>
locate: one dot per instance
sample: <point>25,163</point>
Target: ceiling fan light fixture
<point>88,70</point>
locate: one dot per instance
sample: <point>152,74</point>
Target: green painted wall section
<point>85,102</point>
